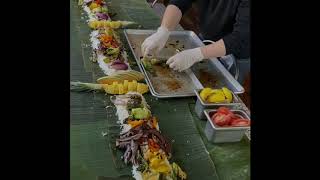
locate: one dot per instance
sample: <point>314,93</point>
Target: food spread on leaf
<point>144,146</point>
<point>105,40</point>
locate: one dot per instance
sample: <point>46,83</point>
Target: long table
<point>93,156</point>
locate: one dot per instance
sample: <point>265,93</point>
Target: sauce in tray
<point>207,79</point>
<point>169,81</point>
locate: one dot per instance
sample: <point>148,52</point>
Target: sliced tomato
<point>224,110</point>
<point>98,2</point>
<point>222,119</point>
<point>240,122</point>
<point>215,115</point>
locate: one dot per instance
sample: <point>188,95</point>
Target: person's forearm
<point>171,17</point>
<point>214,50</point>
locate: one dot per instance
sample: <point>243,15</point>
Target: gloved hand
<point>154,43</point>
<point>185,59</point>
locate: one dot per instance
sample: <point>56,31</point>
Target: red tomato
<point>215,115</point>
<point>240,122</point>
<point>224,110</point>
<point>99,2</point>
<point>222,119</point>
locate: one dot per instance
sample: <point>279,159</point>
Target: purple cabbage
<point>102,16</point>
<point>119,65</point>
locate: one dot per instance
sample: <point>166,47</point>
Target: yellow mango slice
<point>205,93</point>
<point>125,86</point>
<point>130,86</point>
<point>115,88</point>
<point>228,94</point>
<point>134,85</point>
<point>121,89</point>
<point>216,98</point>
<point>142,88</point>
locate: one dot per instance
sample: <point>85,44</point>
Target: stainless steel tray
<point>202,105</point>
<point>165,83</point>
<point>224,134</point>
<point>187,40</point>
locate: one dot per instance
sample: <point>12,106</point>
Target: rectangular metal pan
<point>187,40</point>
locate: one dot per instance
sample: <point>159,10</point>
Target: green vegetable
<point>143,165</point>
<point>96,10</point>
<point>154,61</point>
<point>113,51</point>
<point>146,63</point>
<point>104,10</point>
<point>141,113</point>
<point>114,56</point>
<point>177,171</point>
<point>107,60</point>
<point>174,175</point>
<point>161,62</point>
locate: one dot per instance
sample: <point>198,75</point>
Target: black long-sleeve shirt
<point>223,19</point>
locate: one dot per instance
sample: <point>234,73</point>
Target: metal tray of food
<point>217,134</point>
<point>163,81</point>
<point>168,83</point>
<point>202,105</point>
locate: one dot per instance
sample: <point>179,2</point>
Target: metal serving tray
<point>188,81</point>
<point>202,105</point>
<point>224,134</point>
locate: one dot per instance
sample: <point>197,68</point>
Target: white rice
<point>94,40</point>
<point>104,66</point>
<point>122,113</point>
<point>91,16</point>
<point>136,174</point>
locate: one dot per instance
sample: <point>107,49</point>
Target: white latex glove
<point>154,43</point>
<point>185,59</point>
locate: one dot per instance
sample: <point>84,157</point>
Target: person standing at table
<point>226,22</point>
